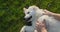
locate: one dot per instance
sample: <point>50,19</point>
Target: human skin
<point>41,26</point>
<point>55,15</point>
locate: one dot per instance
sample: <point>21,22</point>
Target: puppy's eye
<point>28,12</point>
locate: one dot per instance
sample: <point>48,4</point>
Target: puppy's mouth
<point>27,19</point>
<point>29,23</point>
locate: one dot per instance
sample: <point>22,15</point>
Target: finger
<point>45,10</point>
<point>38,25</point>
<point>43,21</point>
<point>37,22</point>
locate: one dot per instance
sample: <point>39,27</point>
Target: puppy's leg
<point>23,29</point>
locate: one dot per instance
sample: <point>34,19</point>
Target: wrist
<point>52,14</point>
<point>43,30</point>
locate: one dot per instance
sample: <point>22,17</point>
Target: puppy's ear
<point>24,10</point>
<point>35,8</point>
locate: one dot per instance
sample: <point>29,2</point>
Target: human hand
<point>48,12</point>
<point>41,26</point>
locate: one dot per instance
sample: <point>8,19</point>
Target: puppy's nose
<point>25,19</point>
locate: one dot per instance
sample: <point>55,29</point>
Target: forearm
<point>56,16</point>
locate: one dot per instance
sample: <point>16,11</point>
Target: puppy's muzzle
<point>27,19</point>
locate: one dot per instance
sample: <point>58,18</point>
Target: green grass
<point>11,12</point>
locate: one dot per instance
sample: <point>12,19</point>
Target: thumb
<point>45,10</point>
<point>44,21</point>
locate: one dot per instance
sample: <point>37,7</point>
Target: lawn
<point>11,12</point>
